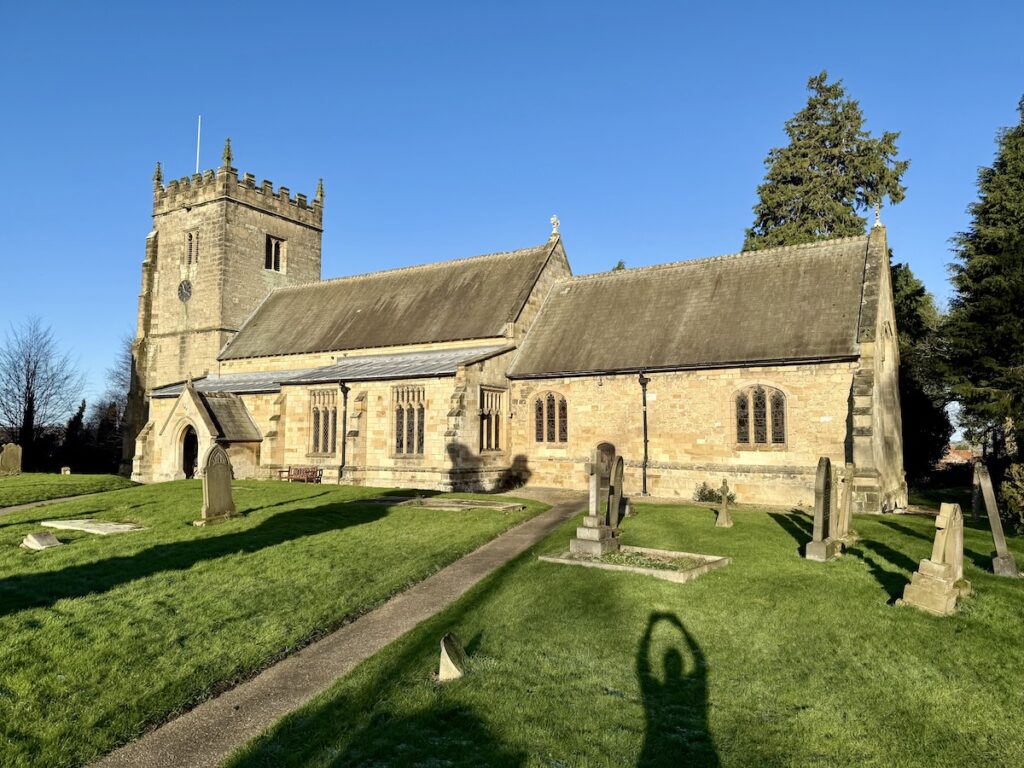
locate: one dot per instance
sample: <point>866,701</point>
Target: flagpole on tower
<point>199,133</point>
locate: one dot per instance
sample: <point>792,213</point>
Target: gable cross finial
<point>158,176</point>
<point>227,157</point>
<point>554,225</point>
<point>878,214</point>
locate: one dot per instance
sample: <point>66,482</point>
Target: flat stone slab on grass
<point>702,563</point>
<point>98,527</point>
<point>456,505</point>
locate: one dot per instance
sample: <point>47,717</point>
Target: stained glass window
<point>742,418</point>
<point>538,418</point>
<point>399,429</point>
<point>334,430</point>
<point>563,420</point>
<point>550,407</point>
<point>419,428</point>
<point>778,417</point>
<point>410,429</point>
<point>316,430</point>
<point>760,406</point>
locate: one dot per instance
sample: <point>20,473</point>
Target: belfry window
<point>490,419</point>
<point>273,258</point>
<point>323,421</point>
<point>760,416</point>
<point>551,418</point>
<point>192,248</point>
<point>410,420</point>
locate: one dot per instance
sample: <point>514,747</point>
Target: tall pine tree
<point>831,170</point>
<point>985,328</point>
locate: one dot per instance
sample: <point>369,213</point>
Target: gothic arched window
<point>760,416</point>
<point>410,420</point>
<point>551,418</point>
<point>316,430</point>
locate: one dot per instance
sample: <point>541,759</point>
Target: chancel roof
<point>447,301</point>
<point>775,305</point>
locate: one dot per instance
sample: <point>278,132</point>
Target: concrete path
<point>47,502</point>
<point>208,734</point>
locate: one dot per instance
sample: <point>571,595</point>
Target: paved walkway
<point>208,734</point>
<point>47,502</point>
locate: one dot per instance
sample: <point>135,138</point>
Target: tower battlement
<point>223,183</point>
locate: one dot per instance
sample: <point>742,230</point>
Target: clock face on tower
<point>185,290</point>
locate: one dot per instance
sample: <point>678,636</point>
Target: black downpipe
<point>644,381</point>
<point>344,427</point>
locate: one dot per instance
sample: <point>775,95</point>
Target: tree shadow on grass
<point>799,526</point>
<point>35,590</point>
<point>676,704</point>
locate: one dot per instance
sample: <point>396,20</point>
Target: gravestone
<point>845,509</point>
<point>40,541</point>
<point>1003,563</point>
<point>939,580</point>
<point>724,519</point>
<point>454,663</point>
<point>10,459</point>
<point>615,493</point>
<point>976,500</point>
<point>595,538</point>
<point>89,525</point>
<point>65,470</point>
<point>822,546</point>
<point>218,504</point>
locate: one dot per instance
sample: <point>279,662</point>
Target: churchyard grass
<point>931,498</point>
<point>106,636</point>
<point>29,487</point>
<point>773,660</point>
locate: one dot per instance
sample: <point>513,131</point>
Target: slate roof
<point>775,305</point>
<point>447,301</point>
<point>230,417</point>
<point>400,365</point>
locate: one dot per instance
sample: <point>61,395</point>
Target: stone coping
<point>708,563</point>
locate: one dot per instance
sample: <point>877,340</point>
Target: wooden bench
<point>301,474</point>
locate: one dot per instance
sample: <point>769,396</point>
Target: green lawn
<point>770,661</point>
<point>931,498</point>
<point>26,488</point>
<point>109,635</point>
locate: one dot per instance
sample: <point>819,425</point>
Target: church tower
<point>218,247</point>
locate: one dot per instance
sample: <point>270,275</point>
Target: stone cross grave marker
<point>822,546</point>
<point>939,580</point>
<point>724,519</point>
<point>1003,563</point>
<point>454,663</point>
<point>10,459</point>
<point>218,505</point>
<point>615,493</point>
<point>594,538</point>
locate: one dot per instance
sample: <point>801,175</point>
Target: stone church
<point>505,369</point>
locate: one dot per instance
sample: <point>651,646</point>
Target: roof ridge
<point>776,251</point>
<point>413,267</point>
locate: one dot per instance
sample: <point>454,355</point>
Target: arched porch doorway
<point>189,452</point>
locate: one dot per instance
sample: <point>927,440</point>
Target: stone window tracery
<point>760,416</point>
<point>410,420</point>
<point>192,248</point>
<point>490,419</point>
<point>323,405</point>
<point>551,418</point>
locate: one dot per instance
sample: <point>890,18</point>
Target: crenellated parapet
<point>224,183</point>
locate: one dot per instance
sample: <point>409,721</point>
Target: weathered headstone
<point>1003,563</point>
<point>218,505</point>
<point>939,581</point>
<point>10,459</point>
<point>845,510</point>
<point>615,493</point>
<point>724,519</point>
<point>595,538</point>
<point>976,500</point>
<point>822,546</point>
<point>65,470</point>
<point>454,663</point>
<point>39,541</point>
<point>89,525</point>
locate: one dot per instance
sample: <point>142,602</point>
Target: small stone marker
<point>724,518</point>
<point>454,663</point>
<point>218,505</point>
<point>42,540</point>
<point>1003,563</point>
<point>65,470</point>
<point>939,581</point>
<point>10,459</point>
<point>595,538</point>
<point>845,509</point>
<point>822,546</point>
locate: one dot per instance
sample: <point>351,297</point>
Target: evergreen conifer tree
<point>832,169</point>
<point>984,331</point>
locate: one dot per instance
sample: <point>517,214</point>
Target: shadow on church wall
<point>468,473</point>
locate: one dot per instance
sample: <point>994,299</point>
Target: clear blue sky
<point>445,130</point>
